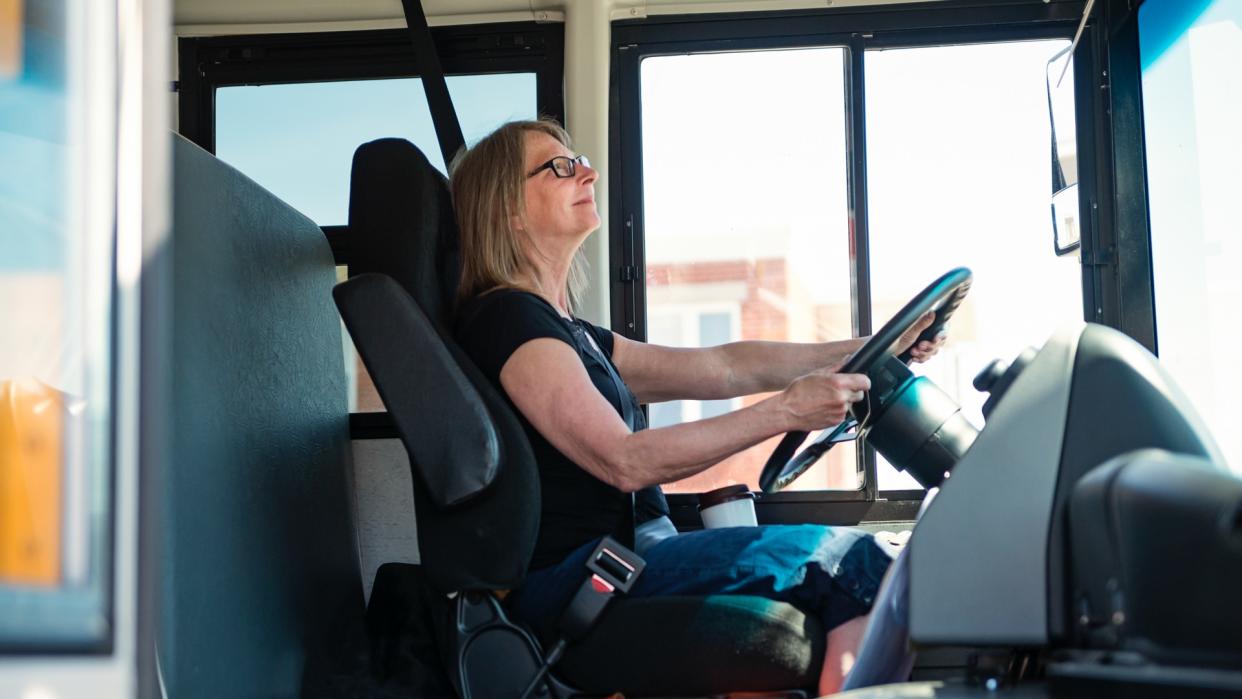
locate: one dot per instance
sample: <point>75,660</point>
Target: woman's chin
<point>589,226</point>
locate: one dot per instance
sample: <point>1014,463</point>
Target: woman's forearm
<point>548,384</point>
<point>757,366</point>
<point>665,454</point>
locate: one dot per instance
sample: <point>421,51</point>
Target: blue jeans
<point>832,572</point>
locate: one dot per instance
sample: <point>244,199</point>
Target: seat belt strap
<point>427,62</point>
<point>612,569</point>
<point>649,528</point>
<point>631,414</point>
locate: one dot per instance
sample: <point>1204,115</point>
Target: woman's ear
<point>515,224</point>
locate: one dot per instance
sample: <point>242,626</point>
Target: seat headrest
<point>401,224</point>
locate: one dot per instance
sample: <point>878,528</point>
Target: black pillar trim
<point>1091,124</point>
<point>443,115</point>
<point>550,80</point>
<point>1122,85</point>
<point>627,270</point>
<point>860,237</point>
<point>1116,234</point>
<point>196,98</point>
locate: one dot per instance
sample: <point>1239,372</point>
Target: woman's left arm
<point>656,373</point>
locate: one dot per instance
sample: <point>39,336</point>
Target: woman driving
<point>525,203</point>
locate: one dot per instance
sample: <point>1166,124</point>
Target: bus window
<point>747,227</point>
<point>1192,105</point>
<point>957,174</point>
<point>298,140</point>
<point>747,223</point>
<point>56,319</point>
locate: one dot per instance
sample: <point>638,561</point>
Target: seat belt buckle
<point>614,565</point>
<point>611,569</point>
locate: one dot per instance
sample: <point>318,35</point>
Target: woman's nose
<point>589,174</point>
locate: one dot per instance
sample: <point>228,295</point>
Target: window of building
<point>692,326</point>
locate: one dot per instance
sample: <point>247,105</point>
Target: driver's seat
<point>476,486</point>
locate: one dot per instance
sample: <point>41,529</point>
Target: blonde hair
<point>488,188</point>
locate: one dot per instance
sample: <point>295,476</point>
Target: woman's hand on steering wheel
<point>923,350</point>
<point>822,398</point>
<point>927,313</point>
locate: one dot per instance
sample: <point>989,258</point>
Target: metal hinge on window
<point>1098,258</point>
<point>627,273</point>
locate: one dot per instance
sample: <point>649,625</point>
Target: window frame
<point>209,63</point>
<point>81,621</point>
<point>1112,260</point>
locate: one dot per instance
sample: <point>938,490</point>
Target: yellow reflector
<point>31,458</point>
<point>10,38</point>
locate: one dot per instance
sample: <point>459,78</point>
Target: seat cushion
<point>695,646</point>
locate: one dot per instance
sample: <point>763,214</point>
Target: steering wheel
<point>942,296</point>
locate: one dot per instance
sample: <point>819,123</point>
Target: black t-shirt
<point>577,507</point>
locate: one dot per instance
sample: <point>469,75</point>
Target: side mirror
<point>1065,232</point>
<point>1060,82</point>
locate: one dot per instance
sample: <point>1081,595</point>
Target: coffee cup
<point>730,506</point>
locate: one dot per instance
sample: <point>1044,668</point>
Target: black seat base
<point>655,646</point>
<point>697,646</point>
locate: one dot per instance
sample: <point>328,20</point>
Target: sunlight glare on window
<point>1192,105</point>
<point>958,170</point>
<point>746,222</point>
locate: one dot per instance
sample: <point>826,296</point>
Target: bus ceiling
<point>387,13</point>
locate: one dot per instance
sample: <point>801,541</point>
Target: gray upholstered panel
<point>260,561</point>
<point>384,501</point>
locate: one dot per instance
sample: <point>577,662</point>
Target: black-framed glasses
<point>562,166</point>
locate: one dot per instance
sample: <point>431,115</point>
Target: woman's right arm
<point>547,382</point>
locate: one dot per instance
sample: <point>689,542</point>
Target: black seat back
<point>476,489</point>
<point>476,493</point>
<point>401,224</point>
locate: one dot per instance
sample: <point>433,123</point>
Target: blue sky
<point>298,140</point>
